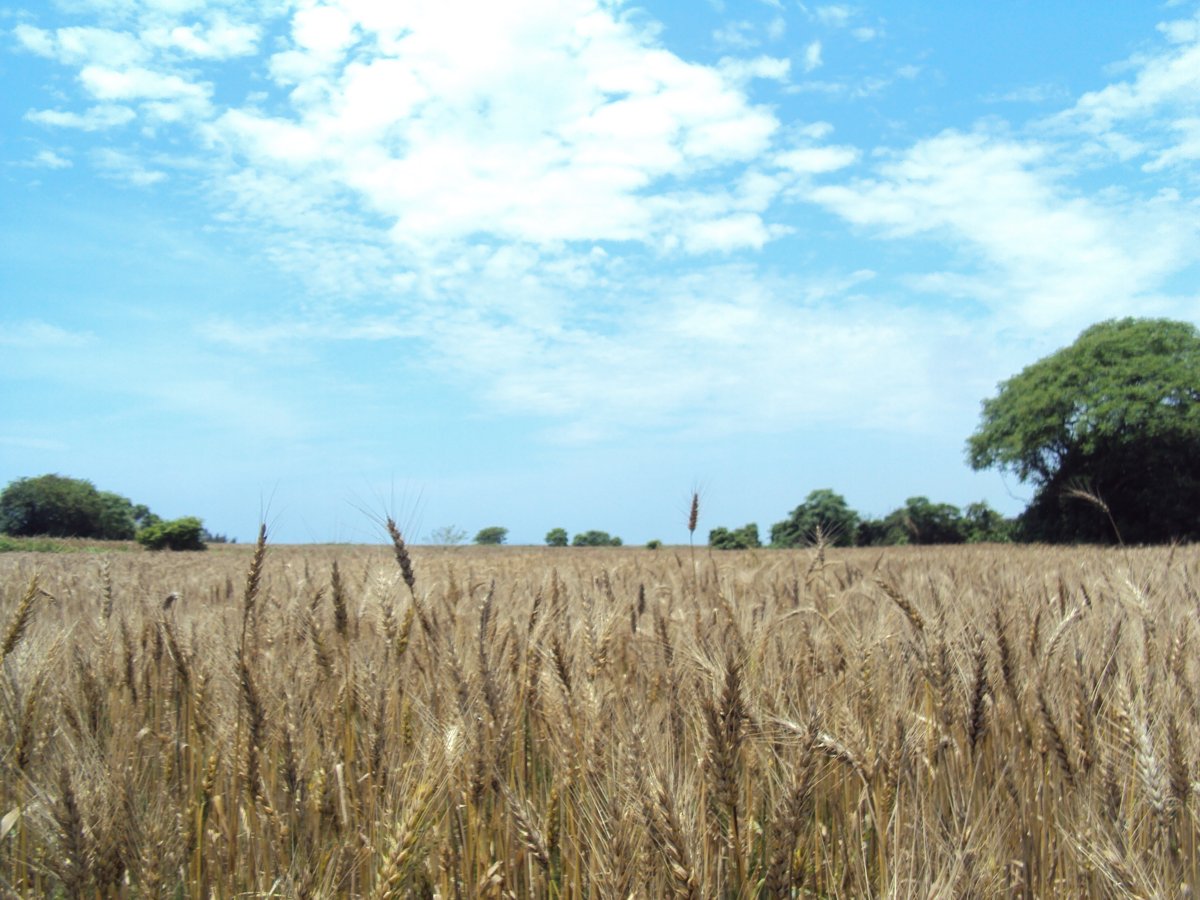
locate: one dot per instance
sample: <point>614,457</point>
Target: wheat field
<point>341,721</point>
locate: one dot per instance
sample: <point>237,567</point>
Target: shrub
<point>556,537</point>
<point>744,538</point>
<point>178,534</point>
<point>595,539</point>
<point>493,534</point>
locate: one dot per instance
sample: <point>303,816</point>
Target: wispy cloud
<point>95,118</point>
<point>492,185</point>
<point>1064,258</point>
<point>1148,115</point>
<point>812,56</point>
<point>34,334</point>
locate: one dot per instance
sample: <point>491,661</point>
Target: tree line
<point>1106,431</point>
<point>825,517</point>
<point>57,506</point>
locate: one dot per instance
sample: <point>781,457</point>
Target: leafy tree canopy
<point>493,534</point>
<point>556,537</point>
<point>67,507</point>
<point>595,539</point>
<point>1107,430</point>
<point>178,534</point>
<point>823,512</point>
<point>744,538</point>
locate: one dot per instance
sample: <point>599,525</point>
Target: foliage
<point>823,512</point>
<point>447,536</point>
<point>493,534</point>
<point>921,521</point>
<point>744,538</point>
<point>51,505</point>
<point>595,539</point>
<point>982,524</point>
<point>653,544</point>
<point>30,545</point>
<point>556,537</point>
<point>178,534</point>
<point>57,506</point>
<point>1114,417</point>
<point>932,523</point>
<point>116,520</point>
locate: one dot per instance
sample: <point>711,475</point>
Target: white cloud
<point>817,160</point>
<point>48,159</point>
<point>35,334</point>
<point>219,39</point>
<point>812,56</point>
<point>1035,93</point>
<point>837,15</point>
<point>740,70</point>
<point>494,177</point>
<point>547,126</point>
<point>1146,114</point>
<point>1066,258</point>
<point>137,84</point>
<point>76,46</point>
<point>96,118</point>
<point>125,167</point>
<point>740,358</point>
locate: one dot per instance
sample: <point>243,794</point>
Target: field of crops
<point>506,722</point>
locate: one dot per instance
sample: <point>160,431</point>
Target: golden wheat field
<point>342,721</point>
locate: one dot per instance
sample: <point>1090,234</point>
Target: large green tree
<point>823,512</point>
<point>1107,431</point>
<point>64,507</point>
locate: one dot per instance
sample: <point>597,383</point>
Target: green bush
<point>493,534</point>
<point>744,538</point>
<point>178,534</point>
<point>653,544</point>
<point>595,539</point>
<point>556,537</point>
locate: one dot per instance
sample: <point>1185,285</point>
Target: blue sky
<point>553,263</point>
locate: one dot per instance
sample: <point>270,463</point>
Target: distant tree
<point>744,538</point>
<point>447,536</point>
<point>653,544</point>
<point>1107,431</point>
<point>822,511</point>
<point>884,532</point>
<point>918,521</point>
<point>595,539</point>
<point>983,524</point>
<point>933,523</point>
<point>64,507</point>
<point>493,534</point>
<point>116,521</point>
<point>178,534</point>
<point>143,517</point>
<point>556,537</point>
